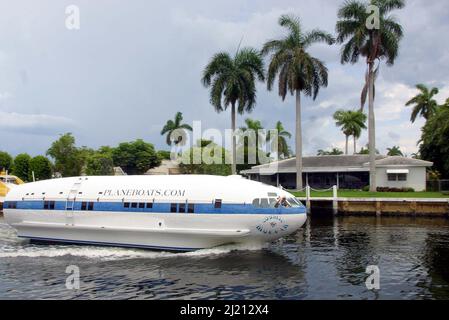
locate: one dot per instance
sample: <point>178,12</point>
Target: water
<point>326,259</point>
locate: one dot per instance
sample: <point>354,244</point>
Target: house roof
<point>342,163</point>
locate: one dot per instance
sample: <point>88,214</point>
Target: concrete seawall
<point>382,206</point>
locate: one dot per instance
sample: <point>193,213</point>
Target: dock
<point>380,206</point>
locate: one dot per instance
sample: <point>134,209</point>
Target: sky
<point>133,64</point>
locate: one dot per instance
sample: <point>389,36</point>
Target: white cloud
<point>34,123</point>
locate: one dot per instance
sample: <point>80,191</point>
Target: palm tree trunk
<point>355,145</point>
<point>346,146</point>
<point>234,153</point>
<point>371,131</point>
<point>298,142</point>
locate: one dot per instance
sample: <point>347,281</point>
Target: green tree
<point>423,103</point>
<point>333,152</point>
<point>41,167</point>
<point>297,70</point>
<point>6,161</point>
<point>164,155</point>
<point>206,148</point>
<point>375,43</point>
<point>352,123</point>
<point>177,128</point>
<point>100,164</point>
<point>68,159</point>
<point>394,151</point>
<point>22,166</point>
<point>232,82</point>
<point>435,140</point>
<point>135,157</point>
<point>282,145</point>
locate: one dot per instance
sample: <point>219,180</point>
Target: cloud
<point>40,124</point>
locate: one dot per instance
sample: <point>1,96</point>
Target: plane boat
<point>166,212</point>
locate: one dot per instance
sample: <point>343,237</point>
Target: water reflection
<point>326,259</point>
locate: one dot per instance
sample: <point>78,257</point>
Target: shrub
<point>365,188</point>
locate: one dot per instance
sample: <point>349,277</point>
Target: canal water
<point>327,259</point>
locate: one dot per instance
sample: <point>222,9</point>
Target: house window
<point>218,204</point>
<point>397,177</point>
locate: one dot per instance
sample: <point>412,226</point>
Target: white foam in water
<point>107,253</point>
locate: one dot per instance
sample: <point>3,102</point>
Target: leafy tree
<point>233,83</point>
<point>298,71</point>
<point>164,155</point>
<point>435,140</point>
<point>6,161</point>
<point>423,103</point>
<point>375,44</point>
<point>100,164</point>
<point>176,127</point>
<point>365,150</point>
<point>333,152</point>
<point>22,166</point>
<point>68,159</point>
<point>135,157</point>
<point>206,148</point>
<point>352,123</point>
<point>41,167</point>
<point>394,151</point>
<point>282,145</point>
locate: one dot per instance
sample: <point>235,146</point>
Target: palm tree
<point>233,82</point>
<point>352,123</point>
<point>255,126</point>
<point>297,71</point>
<point>423,103</point>
<point>283,150</point>
<point>394,151</point>
<point>176,127</point>
<point>373,43</point>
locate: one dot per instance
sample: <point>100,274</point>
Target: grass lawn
<point>365,194</point>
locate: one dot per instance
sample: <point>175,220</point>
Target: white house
<point>347,172</point>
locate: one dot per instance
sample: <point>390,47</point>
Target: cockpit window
<point>294,203</point>
<point>264,203</point>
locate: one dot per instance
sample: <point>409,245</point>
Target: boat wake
<point>111,253</point>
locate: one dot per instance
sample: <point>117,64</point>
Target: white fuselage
<point>184,212</point>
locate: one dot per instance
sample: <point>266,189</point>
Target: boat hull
<point>183,232</point>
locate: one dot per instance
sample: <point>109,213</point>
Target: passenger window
<point>173,207</point>
<point>46,205</point>
<point>141,205</point>
<point>134,205</point>
<point>264,203</point>
<point>149,205</point>
<point>191,208</point>
<point>90,206</point>
<point>83,205</point>
<point>256,203</point>
<point>182,207</point>
<point>126,204</point>
<point>218,204</point>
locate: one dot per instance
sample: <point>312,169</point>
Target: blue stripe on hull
<point>200,208</point>
<point>108,244</point>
